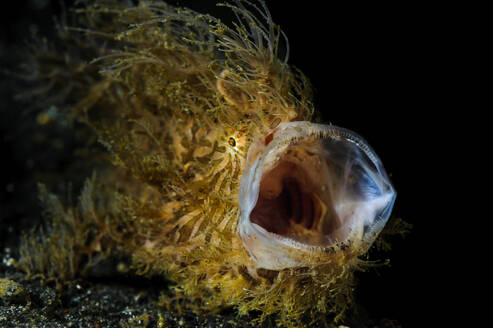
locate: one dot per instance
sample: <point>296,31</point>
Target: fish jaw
<point>309,189</point>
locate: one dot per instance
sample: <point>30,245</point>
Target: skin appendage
<point>213,171</point>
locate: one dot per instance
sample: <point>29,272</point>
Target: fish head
<point>308,189</point>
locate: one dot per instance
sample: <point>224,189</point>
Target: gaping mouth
<point>309,187</point>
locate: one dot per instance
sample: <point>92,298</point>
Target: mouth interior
<point>295,201</point>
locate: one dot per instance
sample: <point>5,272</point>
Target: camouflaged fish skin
<point>187,107</point>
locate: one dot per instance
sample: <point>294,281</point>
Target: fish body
<point>221,178</point>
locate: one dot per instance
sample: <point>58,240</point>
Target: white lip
<point>367,218</point>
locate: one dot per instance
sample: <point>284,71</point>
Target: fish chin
<point>308,188</point>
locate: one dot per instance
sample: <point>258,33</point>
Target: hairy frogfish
<point>215,171</point>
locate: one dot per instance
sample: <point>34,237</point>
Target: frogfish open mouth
<point>307,187</point>
<point>214,172</point>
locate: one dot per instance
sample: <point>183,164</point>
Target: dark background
<point>379,70</point>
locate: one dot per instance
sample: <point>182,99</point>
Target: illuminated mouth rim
<point>270,250</point>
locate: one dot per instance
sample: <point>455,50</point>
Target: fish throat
<point>294,202</point>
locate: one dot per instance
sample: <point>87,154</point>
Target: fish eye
<point>232,142</point>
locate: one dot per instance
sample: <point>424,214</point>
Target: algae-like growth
<point>167,103</point>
